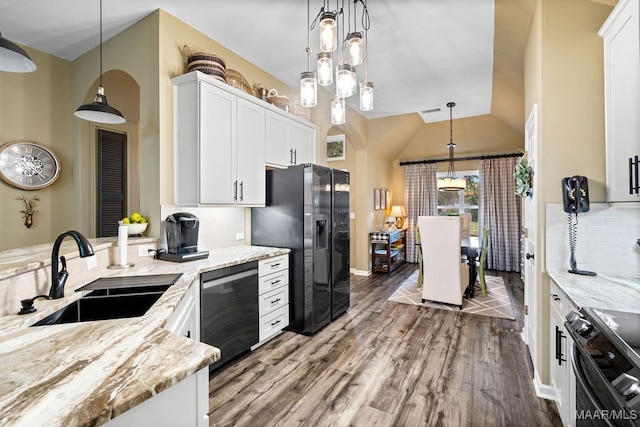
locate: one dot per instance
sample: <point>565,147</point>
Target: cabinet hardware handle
<point>277,264</point>
<point>555,297</point>
<point>241,190</point>
<point>275,301</point>
<point>291,156</point>
<point>275,323</point>
<point>275,282</point>
<point>295,157</point>
<point>235,190</point>
<point>559,355</point>
<point>634,187</point>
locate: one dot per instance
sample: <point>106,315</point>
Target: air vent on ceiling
<point>432,110</point>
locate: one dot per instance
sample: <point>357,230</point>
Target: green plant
<point>523,176</point>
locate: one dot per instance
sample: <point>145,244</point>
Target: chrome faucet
<point>58,279</point>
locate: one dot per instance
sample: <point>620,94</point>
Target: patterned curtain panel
<point>420,198</point>
<point>500,210</point>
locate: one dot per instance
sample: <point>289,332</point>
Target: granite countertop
<point>606,292</point>
<point>87,373</point>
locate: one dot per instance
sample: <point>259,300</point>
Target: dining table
<point>470,247</point>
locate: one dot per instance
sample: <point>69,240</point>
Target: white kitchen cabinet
<point>561,372</point>
<point>219,144</point>
<point>289,141</point>
<point>621,35</point>
<point>186,402</point>
<point>273,296</point>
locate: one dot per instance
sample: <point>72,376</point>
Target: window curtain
<point>420,198</point>
<point>500,210</point>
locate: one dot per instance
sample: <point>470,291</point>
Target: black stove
<point>606,362</point>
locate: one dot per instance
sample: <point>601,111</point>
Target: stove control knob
<point>626,384</point>
<point>582,326</point>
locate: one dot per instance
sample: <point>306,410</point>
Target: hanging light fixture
<point>451,182</point>
<point>366,87</point>
<point>325,69</point>
<point>308,84</point>
<point>345,80</point>
<point>354,42</point>
<point>328,31</point>
<point>13,58</point>
<point>338,112</point>
<point>366,96</point>
<point>99,110</point>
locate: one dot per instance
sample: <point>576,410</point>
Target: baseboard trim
<point>360,272</point>
<point>542,390</point>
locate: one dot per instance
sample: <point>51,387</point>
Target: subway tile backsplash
<point>606,241</point>
<point>218,225</point>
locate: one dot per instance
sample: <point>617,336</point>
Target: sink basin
<point>113,298</point>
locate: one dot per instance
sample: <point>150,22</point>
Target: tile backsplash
<point>606,242</point>
<point>218,225</point>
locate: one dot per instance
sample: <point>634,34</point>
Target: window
<point>457,202</point>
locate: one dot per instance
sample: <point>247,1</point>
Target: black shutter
<point>112,181</point>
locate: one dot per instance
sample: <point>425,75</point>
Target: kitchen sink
<point>113,298</point>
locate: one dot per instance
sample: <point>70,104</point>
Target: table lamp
<point>400,214</point>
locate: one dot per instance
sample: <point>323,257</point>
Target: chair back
<point>440,242</point>
<point>466,224</point>
<point>485,246</point>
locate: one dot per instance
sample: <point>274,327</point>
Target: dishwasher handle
<point>230,278</point>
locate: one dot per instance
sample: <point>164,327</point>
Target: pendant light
<point>338,112</point>
<point>451,182</point>
<point>328,32</point>
<point>13,58</point>
<point>354,43</point>
<point>366,87</point>
<point>325,69</point>
<point>99,110</point>
<point>308,83</point>
<point>345,80</point>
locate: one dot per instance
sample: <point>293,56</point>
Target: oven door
<point>596,403</point>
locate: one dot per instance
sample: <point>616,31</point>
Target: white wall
<point>606,244</point>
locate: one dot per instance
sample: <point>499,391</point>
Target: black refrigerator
<point>307,211</point>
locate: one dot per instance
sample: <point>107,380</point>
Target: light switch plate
<point>92,262</point>
<point>352,215</point>
<point>239,236</point>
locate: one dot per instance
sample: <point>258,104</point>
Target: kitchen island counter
<point>88,373</point>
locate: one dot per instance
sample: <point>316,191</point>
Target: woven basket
<point>299,111</point>
<point>280,101</point>
<point>208,63</point>
<point>237,80</point>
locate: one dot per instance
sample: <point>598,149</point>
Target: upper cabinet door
<point>621,34</point>
<point>250,154</point>
<point>217,145</point>
<point>302,142</point>
<point>277,140</point>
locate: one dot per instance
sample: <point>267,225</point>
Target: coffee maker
<point>182,238</point>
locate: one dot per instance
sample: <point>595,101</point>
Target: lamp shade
<point>99,110</point>
<point>325,69</point>
<point>308,89</point>
<point>345,80</point>
<point>398,211</point>
<point>328,32</point>
<point>366,96</point>
<point>13,58</point>
<point>452,184</point>
<point>338,112</point>
<point>354,41</point>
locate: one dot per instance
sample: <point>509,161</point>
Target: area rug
<point>495,304</point>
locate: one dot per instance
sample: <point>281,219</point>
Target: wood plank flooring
<point>387,364</point>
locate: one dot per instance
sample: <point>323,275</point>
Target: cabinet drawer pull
<point>275,301</point>
<point>634,181</point>
<point>276,265</point>
<point>275,282</point>
<point>275,323</point>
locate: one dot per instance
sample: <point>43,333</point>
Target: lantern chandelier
<point>355,45</point>
<point>451,182</point>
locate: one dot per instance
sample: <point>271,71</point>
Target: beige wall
<point>564,77</point>
<point>37,107</point>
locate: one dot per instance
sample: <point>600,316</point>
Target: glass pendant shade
<point>13,58</point>
<point>99,111</point>
<point>366,96</point>
<point>354,42</point>
<point>338,113</point>
<point>328,32</point>
<point>308,89</point>
<point>325,69</point>
<point>345,80</point>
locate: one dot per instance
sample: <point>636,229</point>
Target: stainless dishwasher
<point>229,310</point>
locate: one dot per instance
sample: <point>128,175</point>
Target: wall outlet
<point>352,215</point>
<point>146,250</point>
<point>239,236</point>
<point>92,262</point>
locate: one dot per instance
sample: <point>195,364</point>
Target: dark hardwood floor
<point>387,364</point>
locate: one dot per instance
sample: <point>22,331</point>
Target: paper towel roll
<point>122,243</point>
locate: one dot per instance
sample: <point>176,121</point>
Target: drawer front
<point>273,281</point>
<point>274,322</point>
<point>273,264</point>
<point>273,300</point>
